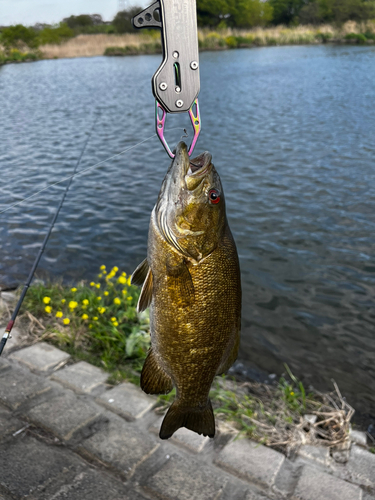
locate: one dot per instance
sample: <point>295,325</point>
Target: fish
<point>191,279</point>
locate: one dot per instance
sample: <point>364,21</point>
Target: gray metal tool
<point>176,83</point>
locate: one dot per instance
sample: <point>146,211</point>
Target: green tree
<point>15,36</point>
<point>336,11</point>
<point>286,11</point>
<point>55,35</point>
<point>123,20</point>
<point>234,13</point>
<point>251,13</point>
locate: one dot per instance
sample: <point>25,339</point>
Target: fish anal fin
<point>140,274</point>
<point>154,380</point>
<point>180,282</point>
<point>201,421</point>
<point>146,294</point>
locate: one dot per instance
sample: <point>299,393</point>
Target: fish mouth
<point>200,166</point>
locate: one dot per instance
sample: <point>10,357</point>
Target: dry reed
<point>93,45</point>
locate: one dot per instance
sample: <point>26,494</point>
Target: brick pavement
<point>66,434</point>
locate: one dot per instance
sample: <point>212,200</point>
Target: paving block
<point>315,453</point>
<point>256,495</point>
<point>19,386</point>
<point>127,400</point>
<point>4,364</point>
<point>182,478</point>
<point>361,467</point>
<point>8,423</point>
<point>121,445</point>
<point>184,437</point>
<point>81,377</point>
<point>26,464</point>
<point>251,461</point>
<point>287,478</point>
<point>86,484</point>
<point>358,437</point>
<point>65,414</point>
<point>314,484</point>
<point>41,357</point>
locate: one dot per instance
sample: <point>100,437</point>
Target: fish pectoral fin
<point>180,283</point>
<point>201,421</point>
<point>146,294</point>
<point>154,380</point>
<point>140,274</point>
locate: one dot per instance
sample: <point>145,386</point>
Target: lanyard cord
<point>9,327</point>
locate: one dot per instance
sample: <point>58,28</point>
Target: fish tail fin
<point>201,421</point>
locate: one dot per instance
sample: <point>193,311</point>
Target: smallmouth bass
<point>191,280</point>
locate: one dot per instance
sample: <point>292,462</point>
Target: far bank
<point>137,44</point>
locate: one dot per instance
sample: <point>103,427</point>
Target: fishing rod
<point>9,326</point>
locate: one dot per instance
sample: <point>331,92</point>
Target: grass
<point>274,415</point>
<point>16,55</point>
<point>95,321</point>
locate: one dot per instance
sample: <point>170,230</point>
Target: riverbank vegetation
<point>98,322</point>
<point>89,45</point>
<point>223,24</point>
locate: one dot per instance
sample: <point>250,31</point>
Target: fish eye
<point>214,196</point>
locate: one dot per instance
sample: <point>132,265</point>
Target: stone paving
<point>66,434</point>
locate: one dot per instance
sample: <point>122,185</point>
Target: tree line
<point>216,14</point>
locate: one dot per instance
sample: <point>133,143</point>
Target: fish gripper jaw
<point>195,121</point>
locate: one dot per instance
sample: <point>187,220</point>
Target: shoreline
<point>351,33</point>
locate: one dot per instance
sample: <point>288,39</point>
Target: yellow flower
<point>90,326</point>
<point>63,301</point>
<point>48,309</point>
<point>98,298</point>
<point>100,275</point>
<point>114,269</point>
<point>117,301</point>
<point>113,319</point>
<point>129,280</point>
<point>73,304</point>
<point>129,298</point>
<point>102,268</point>
<point>292,393</point>
<point>104,272</point>
<point>101,310</point>
<point>66,321</point>
<point>122,280</point>
<point>73,289</point>
<point>123,274</point>
<point>84,316</point>
<point>92,284</point>
<point>124,291</point>
<point>85,302</point>
<point>95,318</point>
<point>115,323</point>
<point>59,314</point>
<point>97,285</point>
<point>46,300</point>
<point>106,293</point>
<point>110,276</point>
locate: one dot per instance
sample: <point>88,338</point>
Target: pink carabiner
<point>195,121</point>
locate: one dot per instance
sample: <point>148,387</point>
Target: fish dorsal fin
<point>146,294</point>
<point>154,380</point>
<point>139,275</point>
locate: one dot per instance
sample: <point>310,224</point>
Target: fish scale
<point>195,295</point>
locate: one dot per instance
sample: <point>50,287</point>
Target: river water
<point>292,133</point>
